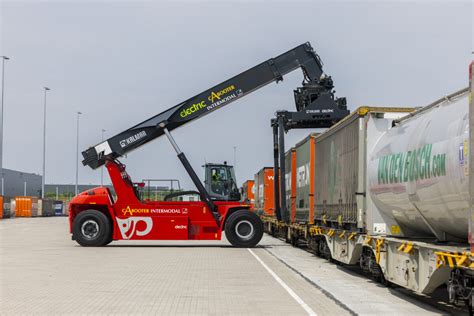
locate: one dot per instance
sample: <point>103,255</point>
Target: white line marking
<point>284,285</point>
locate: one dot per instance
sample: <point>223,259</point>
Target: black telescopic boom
<point>302,56</point>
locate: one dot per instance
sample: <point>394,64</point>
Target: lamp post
<point>102,168</point>
<point>1,122</point>
<point>235,150</point>
<point>77,153</point>
<point>46,89</point>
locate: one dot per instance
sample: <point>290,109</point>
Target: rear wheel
<point>244,229</point>
<point>109,240</point>
<point>92,228</point>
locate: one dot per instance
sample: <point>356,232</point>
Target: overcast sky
<point>122,62</point>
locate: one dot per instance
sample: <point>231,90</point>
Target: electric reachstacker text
<point>97,218</point>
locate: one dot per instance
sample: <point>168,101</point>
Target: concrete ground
<point>43,271</point>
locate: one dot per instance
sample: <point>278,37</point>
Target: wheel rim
<point>244,229</point>
<point>90,229</point>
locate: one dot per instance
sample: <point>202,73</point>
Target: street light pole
<point>1,122</point>
<point>77,154</point>
<point>235,161</point>
<point>44,144</point>
<point>102,168</point>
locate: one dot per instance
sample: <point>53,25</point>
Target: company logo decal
<point>128,226</point>
<point>179,227</point>
<point>411,166</point>
<point>319,111</point>
<point>193,108</point>
<point>216,98</point>
<point>132,211</point>
<point>302,176</point>
<point>217,95</point>
<point>130,140</point>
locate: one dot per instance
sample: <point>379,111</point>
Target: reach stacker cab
<point>220,182</point>
<point>96,217</point>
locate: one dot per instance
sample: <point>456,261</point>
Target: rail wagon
<point>391,194</point>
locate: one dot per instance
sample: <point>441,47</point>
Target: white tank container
<point>418,171</point>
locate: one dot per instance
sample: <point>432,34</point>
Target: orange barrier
<point>1,206</point>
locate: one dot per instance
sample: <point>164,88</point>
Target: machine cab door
<point>220,182</point>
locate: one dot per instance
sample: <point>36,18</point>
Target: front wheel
<point>91,228</point>
<point>244,229</point>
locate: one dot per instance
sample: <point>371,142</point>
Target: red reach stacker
<point>97,217</point>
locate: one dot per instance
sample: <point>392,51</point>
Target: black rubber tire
<point>249,218</point>
<point>109,240</point>
<point>105,230</point>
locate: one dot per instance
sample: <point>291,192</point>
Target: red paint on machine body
<point>133,219</point>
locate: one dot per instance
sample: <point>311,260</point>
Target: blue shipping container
<point>58,208</point>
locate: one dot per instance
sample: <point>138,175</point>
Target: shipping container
<point>6,205</point>
<point>26,206</point>
<point>290,183</point>
<point>264,203</point>
<point>418,172</point>
<point>340,166</point>
<point>45,207</point>
<point>248,196</point>
<point>304,169</point>
<point>40,208</point>
<point>12,207</point>
<point>58,208</point>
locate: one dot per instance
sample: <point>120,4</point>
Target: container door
<point>268,197</point>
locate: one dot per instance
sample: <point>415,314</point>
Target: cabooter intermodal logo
<point>216,98</point>
<point>413,165</point>
<point>140,211</point>
<point>132,211</point>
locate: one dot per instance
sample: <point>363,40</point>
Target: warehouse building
<point>18,183</point>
